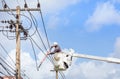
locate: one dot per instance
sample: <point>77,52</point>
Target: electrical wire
<point>41,50</point>
<point>26,75</point>
<point>25,1</point>
<point>9,9</point>
<point>2,73</point>
<point>9,37</point>
<point>7,64</point>
<point>29,20</point>
<point>36,44</point>
<point>7,53</point>
<point>38,1</point>
<point>62,74</point>
<point>18,2</point>
<point>37,30</point>
<point>13,37</point>
<point>36,25</point>
<point>34,22</point>
<point>6,69</point>
<point>11,12</point>
<point>44,28</point>
<point>34,53</point>
<point>40,12</point>
<point>6,35</point>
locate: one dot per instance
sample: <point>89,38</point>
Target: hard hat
<point>55,43</point>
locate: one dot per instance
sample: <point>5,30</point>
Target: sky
<point>86,26</point>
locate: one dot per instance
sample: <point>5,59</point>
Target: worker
<point>56,47</point>
<point>61,59</point>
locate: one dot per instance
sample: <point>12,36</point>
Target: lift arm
<point>106,59</point>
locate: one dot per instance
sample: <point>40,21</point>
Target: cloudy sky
<point>87,26</point>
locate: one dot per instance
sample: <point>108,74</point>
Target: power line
<point>36,44</point>
<point>6,69</point>
<point>37,30</point>
<point>7,53</point>
<point>29,20</point>
<point>44,27</point>
<point>7,64</point>
<point>34,53</point>
<point>62,74</point>
<point>3,73</point>
<point>34,22</point>
<point>36,25</point>
<point>6,6</point>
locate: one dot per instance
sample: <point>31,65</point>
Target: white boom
<point>106,59</point>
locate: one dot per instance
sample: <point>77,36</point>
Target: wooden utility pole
<point>18,75</point>
<point>18,10</point>
<point>56,74</point>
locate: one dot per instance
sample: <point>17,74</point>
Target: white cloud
<point>104,14</point>
<point>81,70</point>
<point>93,70</point>
<point>48,7</point>
<point>115,1</point>
<point>85,69</point>
<point>28,65</point>
<point>116,48</point>
<point>57,5</point>
<point>96,69</point>
<point>53,22</point>
<point>56,22</point>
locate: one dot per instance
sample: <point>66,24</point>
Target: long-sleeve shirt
<point>57,49</point>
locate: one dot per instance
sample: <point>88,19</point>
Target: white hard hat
<point>55,43</point>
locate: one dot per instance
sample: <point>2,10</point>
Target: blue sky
<point>87,26</point>
<point>76,33</point>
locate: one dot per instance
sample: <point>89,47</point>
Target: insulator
<point>38,5</point>
<point>5,21</point>
<point>7,27</point>
<point>25,5</point>
<point>8,21</point>
<point>10,30</point>
<point>2,21</point>
<point>11,21</point>
<point>5,6</point>
<point>25,33</point>
<point>11,26</point>
<point>21,27</point>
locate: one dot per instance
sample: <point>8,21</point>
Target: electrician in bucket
<point>56,47</point>
<point>58,54</point>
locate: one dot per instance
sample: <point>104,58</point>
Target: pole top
<point>18,7</point>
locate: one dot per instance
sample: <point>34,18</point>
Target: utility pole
<point>56,74</point>
<point>18,76</point>
<point>18,30</point>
